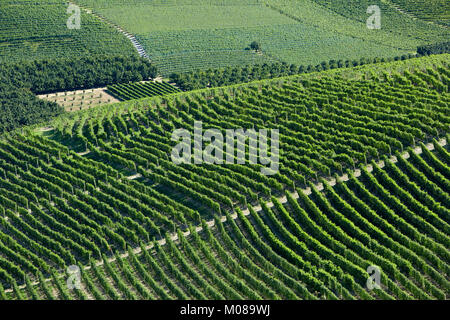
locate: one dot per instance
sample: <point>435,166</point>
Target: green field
<point>437,11</point>
<point>294,43</point>
<point>185,35</point>
<point>97,189</point>
<point>324,151</point>
<point>394,12</point>
<point>31,30</point>
<point>349,18</point>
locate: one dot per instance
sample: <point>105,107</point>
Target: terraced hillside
<point>313,247</point>
<point>97,189</point>
<point>397,13</point>
<point>140,90</point>
<point>429,10</point>
<point>398,30</point>
<point>32,30</point>
<point>183,35</point>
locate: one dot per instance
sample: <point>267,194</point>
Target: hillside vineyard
<point>187,35</point>
<point>38,30</point>
<point>363,180</point>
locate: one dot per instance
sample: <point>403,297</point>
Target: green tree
<point>255,46</point>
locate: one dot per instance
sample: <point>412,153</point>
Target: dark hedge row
<point>46,76</point>
<point>20,107</point>
<point>200,79</point>
<point>21,81</point>
<point>435,48</point>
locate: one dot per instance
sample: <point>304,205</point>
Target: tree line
<point>20,107</point>
<point>46,76</point>
<point>19,82</point>
<point>200,79</point>
<point>435,48</point>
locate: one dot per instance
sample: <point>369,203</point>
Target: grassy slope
<point>37,29</point>
<point>437,11</point>
<point>349,18</point>
<point>184,35</point>
<point>393,20</point>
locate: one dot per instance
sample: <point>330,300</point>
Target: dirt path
<point>139,48</point>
